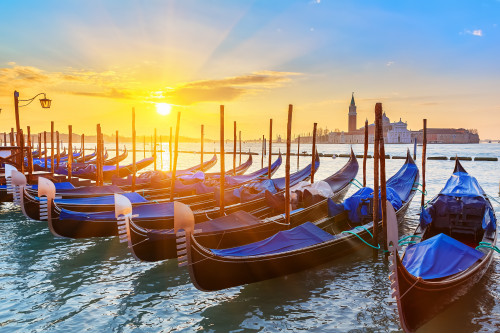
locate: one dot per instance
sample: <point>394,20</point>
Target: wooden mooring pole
<point>287,164</point>
<point>376,218</point>
<point>70,158</point>
<point>298,151</point>
<point>134,167</point>
<point>383,188</point>
<point>313,154</point>
<point>240,144</point>
<point>365,155</point>
<point>30,154</point>
<point>170,149</point>
<point>270,147</point>
<point>99,154</point>
<point>424,157</point>
<point>58,149</point>
<point>176,153</point>
<point>234,149</point>
<point>262,155</point>
<point>52,147</point>
<point>117,154</point>
<point>83,147</point>
<point>45,150</point>
<point>201,143</point>
<point>154,151</point>
<point>222,164</point>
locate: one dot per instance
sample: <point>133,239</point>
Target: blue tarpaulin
<point>133,197</point>
<point>59,185</point>
<point>150,211</point>
<point>352,203</point>
<point>301,236</point>
<point>439,256</point>
<point>91,190</point>
<point>402,182</point>
<point>462,193</point>
<point>235,220</point>
<point>461,184</point>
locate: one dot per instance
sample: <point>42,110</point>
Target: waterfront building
<point>394,133</point>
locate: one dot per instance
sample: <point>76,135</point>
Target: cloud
<point>477,32</point>
<point>389,63</point>
<point>226,89</point>
<point>122,85</point>
<point>111,93</point>
<point>26,74</point>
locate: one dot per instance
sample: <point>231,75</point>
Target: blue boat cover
<point>439,256</point>
<point>232,221</point>
<point>461,191</point>
<point>91,190</point>
<point>334,208</point>
<point>199,176</point>
<point>59,186</point>
<point>144,211</point>
<point>352,203</point>
<point>461,184</point>
<point>402,182</point>
<point>301,236</point>
<point>133,197</point>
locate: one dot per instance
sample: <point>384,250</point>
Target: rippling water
<point>94,285</point>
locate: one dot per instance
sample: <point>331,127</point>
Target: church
<point>394,133</point>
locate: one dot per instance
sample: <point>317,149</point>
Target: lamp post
<point>45,103</point>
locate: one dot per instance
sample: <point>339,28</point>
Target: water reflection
<point>94,285</point>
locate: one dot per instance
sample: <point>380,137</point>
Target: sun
<point>163,108</point>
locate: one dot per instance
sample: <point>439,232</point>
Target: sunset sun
<point>163,108</point>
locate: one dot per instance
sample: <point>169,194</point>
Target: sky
<point>97,60</point>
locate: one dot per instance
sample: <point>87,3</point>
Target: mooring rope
<point>483,244</point>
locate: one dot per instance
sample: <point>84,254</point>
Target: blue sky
<point>433,59</point>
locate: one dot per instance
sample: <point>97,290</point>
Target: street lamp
<point>45,103</point>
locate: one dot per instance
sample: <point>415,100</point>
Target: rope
<point>483,244</point>
<point>365,242</point>
<point>407,237</point>
<point>360,184</point>
<point>354,184</point>
<point>423,192</point>
<point>492,198</point>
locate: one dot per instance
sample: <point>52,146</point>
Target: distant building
<point>394,133</point>
<point>448,136</point>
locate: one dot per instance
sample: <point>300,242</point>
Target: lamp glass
<point>45,103</point>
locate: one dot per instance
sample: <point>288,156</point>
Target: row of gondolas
<point>449,251</point>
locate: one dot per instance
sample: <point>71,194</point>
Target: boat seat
<point>468,225</point>
<point>368,203</point>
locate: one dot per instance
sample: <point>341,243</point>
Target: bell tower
<point>352,115</point>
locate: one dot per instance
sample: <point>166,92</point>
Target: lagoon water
<point>49,284</point>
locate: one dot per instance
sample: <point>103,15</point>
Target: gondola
<point>117,159</point>
<point>449,252</point>
<point>312,238</point>
<point>144,180</point>
<point>106,201</point>
<point>148,244</point>
<point>31,208</point>
<point>89,172</point>
<point>85,158</point>
<point>6,191</point>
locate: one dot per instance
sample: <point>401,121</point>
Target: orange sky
<point>96,62</point>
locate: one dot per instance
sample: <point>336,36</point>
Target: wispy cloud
<point>389,63</point>
<point>476,32</point>
<point>226,89</point>
<point>120,85</point>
